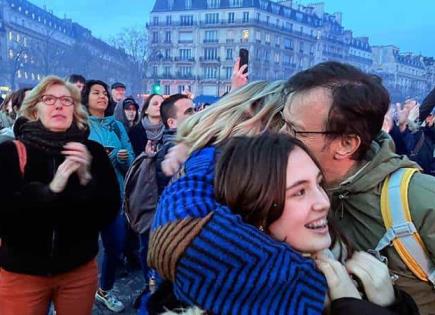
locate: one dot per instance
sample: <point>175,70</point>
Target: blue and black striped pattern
<point>231,267</point>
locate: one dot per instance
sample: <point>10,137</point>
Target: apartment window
<point>267,38</point>
<point>213,4</point>
<point>258,36</point>
<point>188,4</point>
<point>286,59</point>
<point>212,18</point>
<point>180,89</point>
<point>210,72</point>
<point>185,54</point>
<point>229,54</point>
<point>211,36</point>
<point>156,20</point>
<point>231,17</point>
<point>277,40</point>
<point>154,71</point>
<point>245,17</point>
<point>167,89</point>
<point>288,44</point>
<point>228,72</point>
<point>155,37</point>
<point>276,58</point>
<point>245,35</point>
<point>236,3</point>
<point>168,37</point>
<point>167,70</point>
<point>10,35</point>
<point>186,20</point>
<point>11,54</point>
<point>186,71</point>
<point>267,20</point>
<point>210,53</point>
<point>258,17</point>
<point>167,53</point>
<point>168,20</point>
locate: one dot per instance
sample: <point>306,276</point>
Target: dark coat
<point>46,233</point>
<point>168,141</point>
<point>138,138</point>
<point>403,305</point>
<point>418,146</point>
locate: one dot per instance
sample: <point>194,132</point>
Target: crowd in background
<point>266,202</point>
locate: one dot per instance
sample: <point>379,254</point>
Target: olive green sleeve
<point>422,207</point>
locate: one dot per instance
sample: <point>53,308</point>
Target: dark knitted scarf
<point>34,134</point>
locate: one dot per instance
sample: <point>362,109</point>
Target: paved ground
<point>127,288</point>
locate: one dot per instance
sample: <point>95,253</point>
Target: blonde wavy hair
<point>29,107</point>
<point>247,111</point>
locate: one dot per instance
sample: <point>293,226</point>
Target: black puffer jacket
<point>44,233</point>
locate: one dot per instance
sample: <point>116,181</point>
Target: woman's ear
<point>346,146</point>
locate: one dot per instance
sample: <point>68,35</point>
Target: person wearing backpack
<point>111,134</point>
<point>145,180</point>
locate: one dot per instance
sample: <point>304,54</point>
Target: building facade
<point>35,43</point>
<point>193,45</point>
<point>404,74</point>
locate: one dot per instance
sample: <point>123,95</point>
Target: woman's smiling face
<point>303,223</point>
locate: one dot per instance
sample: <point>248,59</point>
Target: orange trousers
<point>72,293</point>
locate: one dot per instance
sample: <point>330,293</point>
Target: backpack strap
<point>401,231</point>
<point>418,145</point>
<point>22,155</point>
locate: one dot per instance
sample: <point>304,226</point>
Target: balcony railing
<point>184,59</point>
<point>186,76</point>
<point>211,41</point>
<point>172,24</point>
<point>211,60</point>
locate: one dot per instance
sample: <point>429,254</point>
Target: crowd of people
<point>314,195</point>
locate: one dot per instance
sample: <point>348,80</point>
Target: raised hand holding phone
<point>240,76</point>
<point>244,59</point>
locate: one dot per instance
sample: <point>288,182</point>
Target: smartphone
<point>244,58</point>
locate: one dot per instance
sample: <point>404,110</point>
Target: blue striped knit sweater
<point>221,264</point>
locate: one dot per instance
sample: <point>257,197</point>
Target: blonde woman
<point>215,260</point>
<point>58,191</point>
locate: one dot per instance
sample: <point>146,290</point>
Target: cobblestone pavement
<point>127,288</point>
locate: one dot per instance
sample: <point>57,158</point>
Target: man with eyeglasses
<point>338,112</point>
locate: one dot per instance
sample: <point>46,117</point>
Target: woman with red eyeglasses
<point>58,190</point>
